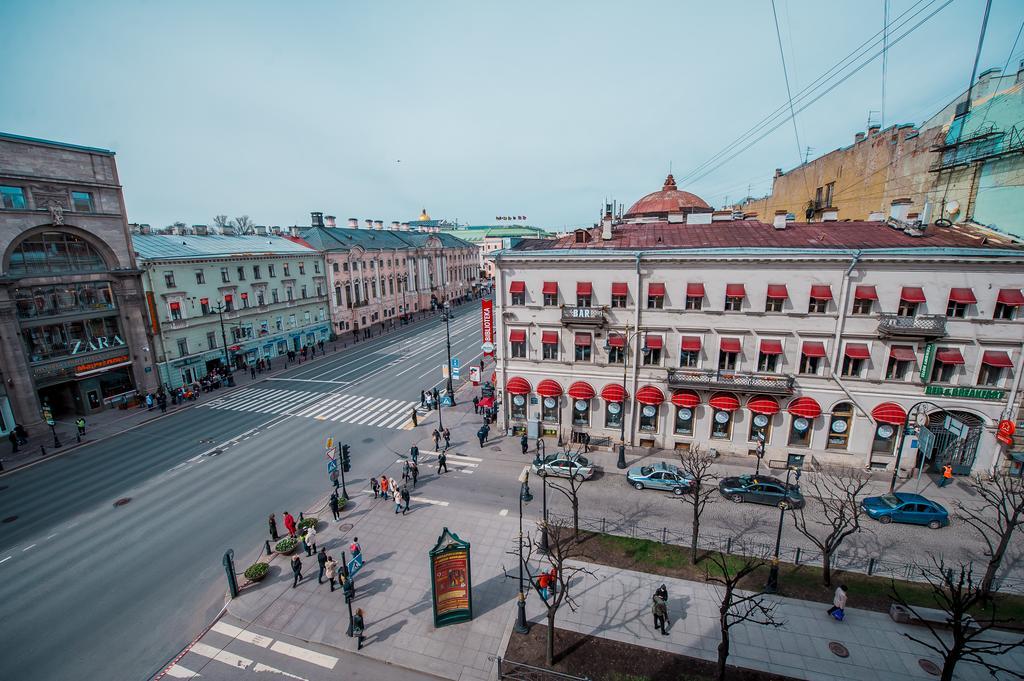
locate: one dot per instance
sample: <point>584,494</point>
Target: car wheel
<point>678,491</point>
<point>785,505</point>
<point>737,498</point>
<point>578,477</point>
<point>885,519</point>
<point>638,485</point>
<point>935,524</point>
<point>542,473</point>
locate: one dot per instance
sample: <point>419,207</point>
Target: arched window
<point>839,426</point>
<point>54,252</point>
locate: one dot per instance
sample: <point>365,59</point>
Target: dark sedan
<point>761,490</point>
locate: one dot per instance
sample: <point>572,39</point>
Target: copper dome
<point>668,200</point>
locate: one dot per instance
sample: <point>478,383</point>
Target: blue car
<point>904,507</point>
<point>660,476</point>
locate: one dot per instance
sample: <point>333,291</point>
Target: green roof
<point>187,247</point>
<point>343,239</point>
<point>65,145</point>
<point>476,233</point>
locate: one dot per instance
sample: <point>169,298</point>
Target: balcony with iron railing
<point>920,326</point>
<point>743,381</point>
<point>582,316</point>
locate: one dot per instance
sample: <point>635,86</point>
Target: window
<point>241,273</point>
<point>721,425</point>
<point>279,323</point>
<point>302,290</point>
<point>224,276</point>
<point>256,272</point>
<point>581,412</point>
<point>12,198</point>
<point>334,266</point>
<point>817,198</point>
<point>689,358</point>
<point>616,355</point>
<point>229,303</point>
<point>619,300</point>
<point>862,306</point>
<point>211,339</point>
<point>852,366</point>
<point>344,267</point>
<point>274,296</point>
<point>955,309</point>
<point>200,277</point>
<point>613,414</point>
<point>799,432</point>
<point>549,345</point>
<point>839,426</point>
<point>649,418</point>
<point>289,294</point>
<point>1004,311</point>
<point>819,306</point>
<point>169,279</point>
<point>584,300</point>
<point>652,357</point>
<point>760,427</point>
<point>337,295</point>
<point>773,304</point>
<point>245,300</point>
<point>583,341</point>
<point>204,305</point>
<point>286,268</point>
<point>518,349</point>
<point>655,296</point>
<point>907,309</point>
<point>901,363</point>
<point>694,302</point>
<point>81,202</point>
<point>270,270</point>
<point>990,375</point>
<point>551,299</point>
<point>549,409</point>
<point>260,298</point>
<point>733,303</point>
<point>810,364</point>
<point>768,362</point>
<point>316,267</point>
<point>182,347</point>
<point>727,360</point>
<point>54,252</point>
<point>518,298</point>
<point>829,190</point>
<point>943,373</point>
<point>884,441</point>
<point>175,310</point>
<point>302,268</point>
<point>518,406</point>
<point>684,421</point>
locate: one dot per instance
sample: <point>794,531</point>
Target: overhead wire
<point>789,92</point>
<point>885,58</point>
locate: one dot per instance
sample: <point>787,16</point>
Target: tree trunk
<point>993,564</point>
<point>696,533</point>
<point>550,653</point>
<point>575,519</point>
<point>826,567</point>
<point>723,653</point>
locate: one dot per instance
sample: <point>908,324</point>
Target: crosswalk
<point>362,410</point>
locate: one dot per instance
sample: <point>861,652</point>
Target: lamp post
<point>524,498</point>
<point>220,308</point>
<point>447,317</point>
<point>544,515</point>
<point>760,452</point>
<point>903,434</point>
<point>772,585</point>
<point>627,339</point>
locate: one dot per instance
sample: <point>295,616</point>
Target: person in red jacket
<point>289,523</point>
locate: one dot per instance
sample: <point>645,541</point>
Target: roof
<point>668,200</point>
<point>476,233</point>
<point>176,247</point>
<point>344,239</point>
<point>758,235</point>
<point>63,145</point>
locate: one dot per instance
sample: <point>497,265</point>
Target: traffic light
<point>346,463</point>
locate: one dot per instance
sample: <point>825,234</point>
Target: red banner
<point>487,326</point>
<point>1006,430</point>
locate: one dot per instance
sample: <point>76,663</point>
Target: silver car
<point>565,466</point>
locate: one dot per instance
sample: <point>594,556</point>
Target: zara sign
<point>98,343</point>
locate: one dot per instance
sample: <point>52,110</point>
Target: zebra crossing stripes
<point>265,401</point>
<point>380,412</point>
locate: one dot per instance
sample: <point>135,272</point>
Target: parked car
<point>660,476</point>
<point>565,465</point>
<point>761,490</point>
<point>904,507</point>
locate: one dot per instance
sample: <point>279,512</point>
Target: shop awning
<point>997,358</point>
<point>912,294</point>
<point>518,386</point>
<point>549,388</point>
<point>620,288</point>
<point>821,292</point>
<point>649,394</point>
<point>857,351</point>
<point>690,344</point>
<point>724,402</point>
<point>584,288</point>
<point>517,287</point>
<point>735,291</point>
<point>695,290</point>
<point>1010,296</point>
<point>583,339</point>
<point>655,289</point>
<point>962,295</point>
<point>613,392</point>
<point>889,412</point>
<point>685,398</point>
<point>654,341</point>
<point>903,353</point>
<point>550,288</point>
<point>763,404</point>
<point>730,345</point>
<point>813,349</point>
<point>778,291</point>
<point>616,340</point>
<point>865,293</point>
<point>771,347</point>
<point>949,356</point>
<point>549,337</point>
<point>807,407</point>
<point>581,390</point>
<point>516,335</point>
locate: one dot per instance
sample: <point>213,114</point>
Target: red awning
<point>620,288</point>
<point>865,293</point>
<point>518,386</point>
<point>584,288</point>
<point>889,412</point>
<point>486,402</point>
<point>549,338</point>
<point>1010,296</point>
<point>549,388</point>
<point>583,339</point>
<point>581,390</point>
<point>735,290</point>
<point>550,288</point>
<point>655,289</point>
<point>821,292</point>
<point>616,340</point>
<point>690,344</point>
<point>648,394</point>
<point>962,295</point>
<point>613,392</point>
<point>997,358</point>
<point>912,294</point>
<point>903,353</point>
<point>724,402</point>
<point>730,345</point>
<point>763,404</point>
<point>685,398</point>
<point>807,407</point>
<point>695,290</point>
<point>813,349</point>
<point>654,342</point>
<point>517,287</point>
<point>857,351</point>
<point>778,291</point>
<point>949,356</point>
<point>771,347</point>
<point>235,348</point>
<point>517,335</point>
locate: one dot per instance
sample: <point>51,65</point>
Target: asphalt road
<point>93,590</point>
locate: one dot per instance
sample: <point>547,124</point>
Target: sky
<point>468,109</point>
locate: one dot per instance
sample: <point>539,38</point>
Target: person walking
<point>405,499</point>
<point>330,571</point>
<point>355,548</point>
<point>305,545</point>
<point>947,475</point>
<point>321,561</point>
<point>414,470</point>
<point>80,422</point>
<point>415,422</point>
<point>524,442</point>
<point>423,398</point>
<point>437,438</point>
<point>272,524</point>
<point>358,626</point>
<point>383,487</point>
<point>252,372</point>
<point>375,486</point>
<point>442,462</point>
<point>476,404</point>
<point>447,434</point>
<point>289,524</point>
<point>481,435</point>
<point>334,505</point>
<point>13,437</point>
<point>296,571</point>
<point>311,540</point>
<point>397,496</point>
<point>838,602</point>
<point>437,397</point>
<point>659,608</point>
<point>406,473</point>
<point>544,585</point>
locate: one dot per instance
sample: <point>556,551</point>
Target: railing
<point>983,143</point>
<point>583,316</point>
<point>519,671</point>
<point>734,380</point>
<point>927,325</point>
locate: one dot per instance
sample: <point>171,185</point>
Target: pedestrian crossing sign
<point>455,363</point>
<point>446,401</point>
<point>332,465</point>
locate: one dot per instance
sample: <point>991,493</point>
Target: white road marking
<point>52,535</point>
<point>241,634</point>
<point>461,457</point>
<point>224,656</point>
<point>310,380</point>
<point>411,367</point>
<point>432,502</point>
<point>319,659</point>
<point>428,372</point>
<point>456,462</point>
<point>179,672</point>
<point>28,547</point>
<point>503,512</point>
<point>6,559</point>
<point>260,667</point>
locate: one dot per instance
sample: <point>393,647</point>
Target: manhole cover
<point>122,501</point>
<point>10,519</point>
<point>929,667</point>
<point>838,649</point>
<point>495,449</point>
<point>345,527</point>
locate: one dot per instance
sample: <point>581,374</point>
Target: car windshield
<point>581,461</point>
<point>646,470</point>
<point>890,500</point>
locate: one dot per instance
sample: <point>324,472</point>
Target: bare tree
<point>695,464</point>
<point>957,595</point>
<point>727,571</point>
<point>220,222</point>
<point>570,489</point>
<point>836,491</point>
<point>998,513</point>
<point>243,224</point>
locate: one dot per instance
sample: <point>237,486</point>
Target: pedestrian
<point>659,608</point>
<point>296,571</point>
<point>355,548</point>
<point>838,603</point>
<point>311,539</point>
<point>406,473</point>
<point>397,497</point>
<point>80,422</point>
<point>334,504</point>
<point>482,436</point>
<point>383,487</point>
<point>414,417</point>
<point>947,475</point>
<point>375,486</point>
<point>405,499</point>
<point>22,434</point>
<point>252,372</point>
<point>447,438</point>
<point>476,404</point>
<point>442,462</point>
<point>330,571</point>
<point>13,437</point>
<point>272,523</point>
<point>358,626</point>
<point>392,484</point>
<point>437,397</point>
<point>437,438</point>
<point>524,442</point>
<point>149,401</point>
<point>305,544</point>
<point>415,471</point>
<point>289,523</point>
<point>423,398</point>
<point>662,593</point>
<point>543,585</point>
<point>163,404</point>
<point>321,559</point>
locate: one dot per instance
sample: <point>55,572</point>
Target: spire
<point>670,183</point>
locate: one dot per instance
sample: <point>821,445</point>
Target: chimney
<point>780,219</point>
<point>899,209</point>
<point>830,215</point>
<point>405,226</point>
<point>606,224</point>
<point>331,221</point>
<point>378,224</point>
<point>676,217</point>
<point>721,216</point>
<point>261,230</point>
<point>294,230</point>
<point>145,228</point>
<point>317,219</point>
<point>859,137</point>
<point>876,216</point>
<point>778,172</point>
<point>873,129</point>
<point>368,224</point>
<point>394,225</point>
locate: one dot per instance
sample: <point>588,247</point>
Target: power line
<point>789,92</point>
<point>885,57</point>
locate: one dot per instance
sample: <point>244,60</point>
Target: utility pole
<point>447,316</point>
<point>220,308</point>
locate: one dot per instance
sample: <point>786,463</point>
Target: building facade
<point>214,300</point>
<point>820,337</point>
<point>71,304</point>
<point>491,238</point>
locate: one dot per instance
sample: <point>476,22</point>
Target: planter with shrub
<point>286,546</point>
<point>308,522</point>
<point>256,571</point>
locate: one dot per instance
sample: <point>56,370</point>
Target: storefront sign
<point>96,344</point>
<point>971,393</point>
<point>90,367</point>
<point>487,326</point>
<point>582,313</point>
<point>450,580</point>
<point>1006,430</point>
<point>927,361</point>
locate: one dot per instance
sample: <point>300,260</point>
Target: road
<point>95,590</point>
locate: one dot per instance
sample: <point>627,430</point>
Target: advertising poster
<point>451,584</point>
<point>487,325</point>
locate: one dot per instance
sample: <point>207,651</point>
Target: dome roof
<point>423,216</point>
<point>668,200</point>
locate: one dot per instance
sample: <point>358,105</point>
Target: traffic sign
<point>330,443</point>
<point>455,373</point>
<point>455,363</point>
<point>354,565</point>
<point>446,400</point>
<point>332,465</point>
<point>333,475</point>
<point>488,348</point>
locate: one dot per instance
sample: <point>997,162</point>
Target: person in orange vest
<point>947,475</point>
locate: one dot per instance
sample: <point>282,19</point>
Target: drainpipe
<point>636,353</point>
<point>1007,412</point>
<point>497,312</point>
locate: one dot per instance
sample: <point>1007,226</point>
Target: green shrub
<point>256,571</point>
<point>286,545</point>
<point>307,522</point>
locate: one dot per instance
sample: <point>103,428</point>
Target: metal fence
<point>518,671</point>
<point>849,561</point>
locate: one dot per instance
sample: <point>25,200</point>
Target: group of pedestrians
<point>430,399</point>
<point>388,488</point>
<point>438,435</point>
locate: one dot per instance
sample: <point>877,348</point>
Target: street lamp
<point>447,317</point>
<point>524,498</point>
<point>627,339</point>
<point>921,420</point>
<point>220,308</point>
<point>772,585</point>
<point>544,515</point>
<point>760,452</point>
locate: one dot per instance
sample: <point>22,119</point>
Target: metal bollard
<point>267,546</point>
<point>728,545</point>
<point>42,449</point>
<point>664,535</point>
<point>871,566</point>
<point>797,561</point>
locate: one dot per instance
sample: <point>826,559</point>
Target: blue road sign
<point>455,363</point>
<point>446,401</point>
<point>455,373</point>
<point>332,465</point>
<point>354,565</point>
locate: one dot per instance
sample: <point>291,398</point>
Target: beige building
<point>825,338</point>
